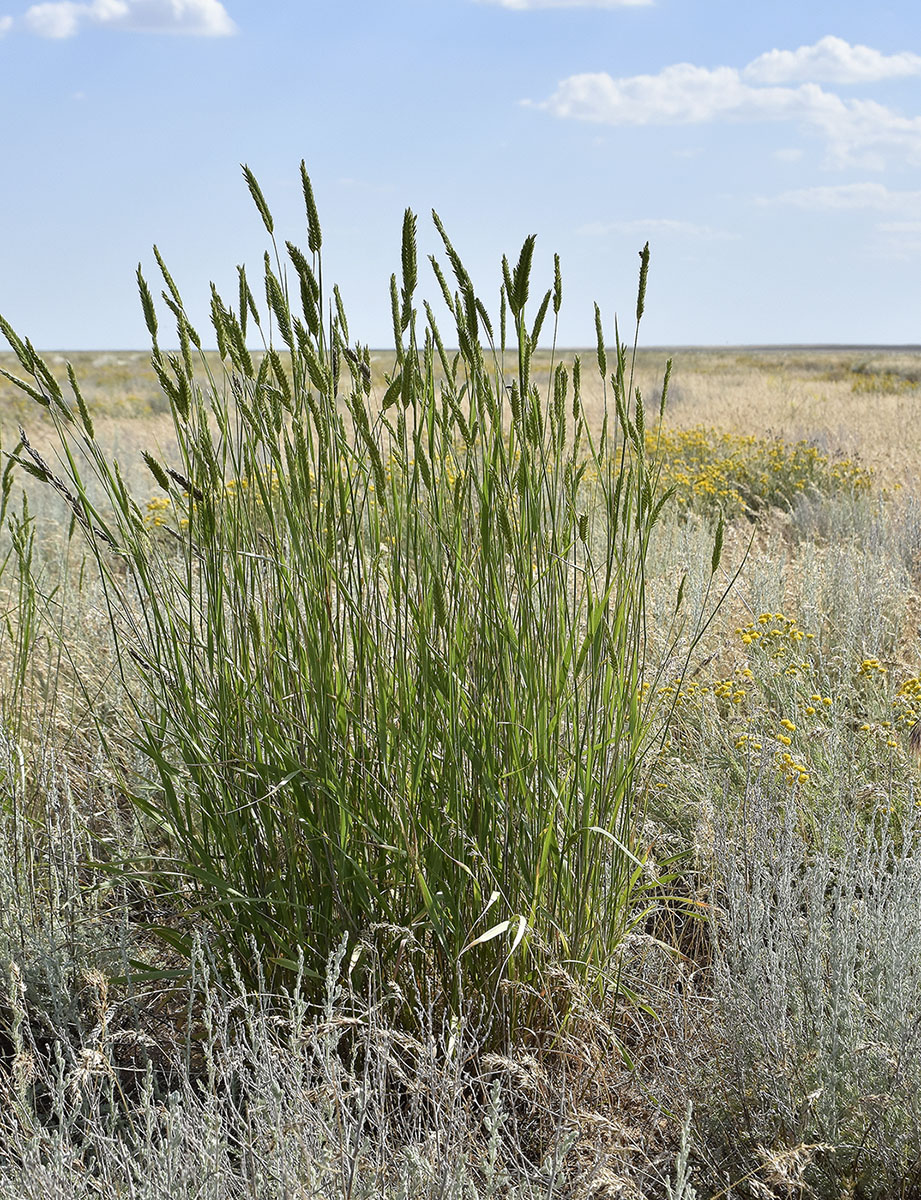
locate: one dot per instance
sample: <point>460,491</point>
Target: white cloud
<point>54,20</point>
<point>525,5</point>
<point>6,24</point>
<point>830,60</point>
<point>857,132</point>
<point>649,227</point>
<point>65,18</point>
<point>850,196</point>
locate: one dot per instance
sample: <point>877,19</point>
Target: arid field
<point>303,892</point>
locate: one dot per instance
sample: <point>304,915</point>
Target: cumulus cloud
<point>850,196</point>
<point>830,60</point>
<point>648,227</point>
<point>525,5</point>
<point>65,18</point>
<point>857,132</point>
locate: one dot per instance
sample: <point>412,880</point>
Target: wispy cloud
<point>650,226</point>
<point>65,18</point>
<point>6,24</point>
<point>830,60</point>
<point>857,132</point>
<point>526,5</point>
<point>851,196</point>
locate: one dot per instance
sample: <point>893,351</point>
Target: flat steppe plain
<point>796,1039</point>
<point>858,402</point>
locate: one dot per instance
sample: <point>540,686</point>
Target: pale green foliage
<point>817,939</point>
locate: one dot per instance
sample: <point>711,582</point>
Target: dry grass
<point>846,568</point>
<point>859,403</point>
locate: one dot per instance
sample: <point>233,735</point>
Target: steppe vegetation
<point>457,772</point>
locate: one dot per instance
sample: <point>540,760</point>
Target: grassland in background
<point>766,1040</point>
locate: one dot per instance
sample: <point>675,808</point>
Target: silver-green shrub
<point>817,979</point>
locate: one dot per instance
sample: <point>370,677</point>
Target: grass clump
<point>386,652</point>
<point>734,474</point>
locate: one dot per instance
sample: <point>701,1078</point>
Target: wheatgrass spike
<point>665,383</point>
<point>167,278</point>
<point>340,313</point>
<point>442,283</point>
<point>309,288</point>
<point>81,403</point>
<point>640,410</point>
<point>43,375</point>
<point>247,294</point>
<point>436,336</point>
<point>278,304</point>
<point>29,390</point>
<point>460,271</point>
<point>470,312</point>
<point>410,271</point>
<point>17,345</point>
<point>182,330</point>
<point>521,276</point>
<point>641,292</point>
<point>484,317</point>
<point>256,192</point>
<point>280,374</point>
<point>147,304</point>
<point>314,233</point>
<point>237,344</point>
<point>539,318</point>
<point>156,470</point>
<point>503,306</point>
<point>508,284</point>
<point>717,546</point>
<point>576,387</point>
<point>168,386</point>
<point>395,317</point>
<point>217,323</point>
<point>599,335</point>
<point>243,289</point>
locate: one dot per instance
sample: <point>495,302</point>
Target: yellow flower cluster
<point>692,693</point>
<point>907,702</point>
<point>790,767</point>
<point>793,772</point>
<point>871,668</point>
<point>777,635</point>
<point>713,471</point>
<point>158,510</point>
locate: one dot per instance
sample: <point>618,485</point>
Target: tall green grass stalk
<point>388,653</point>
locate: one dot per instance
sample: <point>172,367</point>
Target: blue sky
<point>770,153</point>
